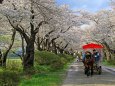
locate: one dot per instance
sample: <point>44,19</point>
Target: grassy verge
<point>110,63</point>
<point>49,70</point>
<point>47,76</point>
<point>1,70</point>
<point>45,79</point>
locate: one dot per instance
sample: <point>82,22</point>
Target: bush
<point>51,59</point>
<point>56,65</point>
<point>45,58</point>
<point>63,58</point>
<point>8,78</point>
<point>66,58</point>
<point>42,68</point>
<point>69,57</point>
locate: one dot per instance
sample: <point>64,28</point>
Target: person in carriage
<point>97,58</point>
<point>96,55</point>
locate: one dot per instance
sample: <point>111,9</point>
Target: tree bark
<point>28,61</point>
<point>61,50</point>
<point>54,47</point>
<point>107,51</point>
<point>38,44</point>
<point>9,48</point>
<point>1,1</point>
<point>23,49</point>
<point>47,44</point>
<point>0,58</point>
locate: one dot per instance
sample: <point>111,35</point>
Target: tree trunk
<point>61,51</point>
<point>47,44</point>
<point>107,51</point>
<point>0,58</point>
<point>66,52</point>
<point>23,49</point>
<point>38,44</point>
<point>9,48</point>
<point>54,47</point>
<point>28,61</point>
<point>44,45</point>
<point>1,1</point>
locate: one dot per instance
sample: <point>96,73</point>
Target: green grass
<point>110,63</point>
<point>1,70</point>
<point>5,38</point>
<point>43,75</point>
<point>14,65</point>
<point>47,79</point>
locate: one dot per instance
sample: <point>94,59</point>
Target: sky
<point>90,5</point>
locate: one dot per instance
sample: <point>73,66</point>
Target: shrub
<point>56,65</point>
<point>69,57</point>
<point>63,60</point>
<point>8,78</point>
<point>51,59</point>
<point>46,58</point>
<point>66,58</point>
<point>29,71</point>
<point>42,68</point>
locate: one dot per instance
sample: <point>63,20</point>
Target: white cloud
<point>90,26</point>
<point>91,5</point>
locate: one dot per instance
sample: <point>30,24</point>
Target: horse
<point>88,63</point>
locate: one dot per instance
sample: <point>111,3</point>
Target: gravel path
<point>76,77</point>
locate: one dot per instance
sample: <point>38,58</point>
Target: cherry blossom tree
<point>29,17</point>
<point>102,30</point>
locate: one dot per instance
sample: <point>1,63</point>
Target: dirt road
<point>76,77</point>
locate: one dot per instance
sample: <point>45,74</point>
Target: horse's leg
<point>92,69</point>
<point>88,71</point>
<point>85,69</point>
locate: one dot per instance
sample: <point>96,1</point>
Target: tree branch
<point>41,23</point>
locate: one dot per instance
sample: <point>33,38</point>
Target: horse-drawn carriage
<point>91,64</point>
<point>96,69</point>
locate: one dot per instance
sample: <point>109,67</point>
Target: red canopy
<point>92,45</point>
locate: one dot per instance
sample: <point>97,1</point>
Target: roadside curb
<point>109,69</point>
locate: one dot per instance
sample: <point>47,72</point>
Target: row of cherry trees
<point>45,26</point>
<point>39,22</point>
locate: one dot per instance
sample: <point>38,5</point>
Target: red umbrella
<point>92,45</point>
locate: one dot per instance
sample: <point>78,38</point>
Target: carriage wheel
<point>100,70</point>
<point>88,73</point>
<point>85,71</point>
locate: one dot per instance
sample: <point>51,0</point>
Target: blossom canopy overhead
<point>92,46</point>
